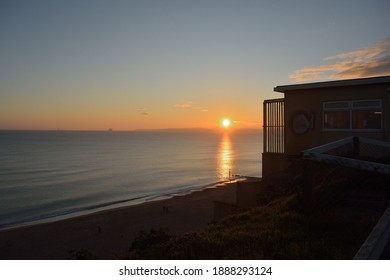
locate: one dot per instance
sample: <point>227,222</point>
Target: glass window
<point>366,119</point>
<point>336,105</point>
<point>354,114</point>
<point>336,120</point>
<point>367,104</point>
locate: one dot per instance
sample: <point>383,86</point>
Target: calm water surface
<point>54,174</point>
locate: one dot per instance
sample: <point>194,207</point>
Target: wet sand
<point>107,233</point>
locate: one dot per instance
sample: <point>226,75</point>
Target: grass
<point>275,231</point>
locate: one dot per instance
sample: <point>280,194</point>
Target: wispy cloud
<point>143,111</point>
<point>201,109</point>
<point>190,105</point>
<point>366,62</point>
<point>183,105</point>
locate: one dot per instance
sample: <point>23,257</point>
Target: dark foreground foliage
<point>331,223</point>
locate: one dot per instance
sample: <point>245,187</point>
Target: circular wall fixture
<point>302,122</point>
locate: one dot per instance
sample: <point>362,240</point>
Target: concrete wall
<point>273,163</point>
<point>247,193</point>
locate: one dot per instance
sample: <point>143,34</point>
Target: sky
<point>125,65</point>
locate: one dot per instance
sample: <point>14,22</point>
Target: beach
<point>109,233</point>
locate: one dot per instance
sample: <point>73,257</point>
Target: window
<point>336,119</point>
<point>355,115</point>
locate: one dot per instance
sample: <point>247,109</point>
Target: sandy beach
<point>111,232</point>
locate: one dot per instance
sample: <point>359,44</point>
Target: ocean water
<point>57,174</point>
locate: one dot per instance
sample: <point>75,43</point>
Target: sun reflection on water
<point>225,158</point>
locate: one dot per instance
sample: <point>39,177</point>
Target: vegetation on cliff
<point>329,222</point>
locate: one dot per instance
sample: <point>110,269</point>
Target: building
<point>314,114</point>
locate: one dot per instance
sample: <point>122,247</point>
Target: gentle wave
<point>54,175</point>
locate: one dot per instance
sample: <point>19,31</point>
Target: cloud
<point>143,111</point>
<point>366,62</point>
<point>183,105</point>
<point>201,109</point>
<point>190,105</point>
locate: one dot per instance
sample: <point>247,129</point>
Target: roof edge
<point>337,83</point>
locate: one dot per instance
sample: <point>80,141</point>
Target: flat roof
<point>338,83</point>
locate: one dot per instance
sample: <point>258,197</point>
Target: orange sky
<point>87,65</point>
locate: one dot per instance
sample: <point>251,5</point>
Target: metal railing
<point>273,125</point>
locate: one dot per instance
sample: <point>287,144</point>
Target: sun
<point>226,123</point>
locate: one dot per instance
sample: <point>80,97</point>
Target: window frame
<point>351,108</point>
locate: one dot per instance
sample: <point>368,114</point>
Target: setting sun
<point>226,123</point>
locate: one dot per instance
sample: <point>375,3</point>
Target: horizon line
<point>127,130</point>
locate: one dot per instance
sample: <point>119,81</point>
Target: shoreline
<point>108,232</point>
<point>118,204</point>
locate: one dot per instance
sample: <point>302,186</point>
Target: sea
<point>52,175</point>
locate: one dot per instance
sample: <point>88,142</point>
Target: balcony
<point>273,126</point>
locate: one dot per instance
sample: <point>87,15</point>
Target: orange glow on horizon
<point>96,117</point>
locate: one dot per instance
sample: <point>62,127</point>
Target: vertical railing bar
<point>284,127</point>
<point>273,128</point>
<point>270,124</point>
<point>275,122</point>
<point>268,128</point>
<point>270,131</point>
<point>278,127</point>
<point>264,127</point>
<point>281,127</point>
<point>267,117</point>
